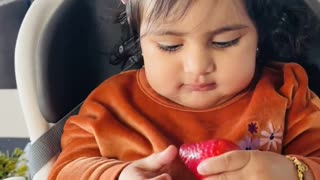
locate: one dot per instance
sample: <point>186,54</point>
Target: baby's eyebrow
<point>160,32</point>
<point>228,28</point>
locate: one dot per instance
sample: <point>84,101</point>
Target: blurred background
<point>13,131</point>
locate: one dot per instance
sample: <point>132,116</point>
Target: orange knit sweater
<point>124,119</point>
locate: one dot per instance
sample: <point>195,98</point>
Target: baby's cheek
<point>162,84</point>
<point>235,83</point>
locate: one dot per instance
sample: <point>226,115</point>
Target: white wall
<point>11,118</point>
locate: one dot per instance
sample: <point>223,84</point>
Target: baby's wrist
<point>302,171</point>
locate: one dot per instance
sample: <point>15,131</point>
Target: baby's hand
<point>247,165</point>
<point>150,167</point>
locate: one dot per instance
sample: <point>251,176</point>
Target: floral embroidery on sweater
<point>256,138</point>
<point>271,138</point>
<point>251,142</point>
<point>253,128</point>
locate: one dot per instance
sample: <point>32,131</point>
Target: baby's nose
<point>199,62</point>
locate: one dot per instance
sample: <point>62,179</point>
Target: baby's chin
<point>200,103</point>
<point>203,105</point>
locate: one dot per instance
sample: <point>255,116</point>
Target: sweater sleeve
<point>302,138</point>
<point>83,157</point>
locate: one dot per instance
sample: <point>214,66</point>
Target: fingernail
<point>202,168</point>
<point>164,152</point>
<point>166,149</point>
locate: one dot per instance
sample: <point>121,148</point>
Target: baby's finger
<point>227,176</point>
<point>164,176</point>
<point>229,161</point>
<point>156,161</point>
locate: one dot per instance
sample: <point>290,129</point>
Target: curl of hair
<point>286,28</point>
<point>128,53</point>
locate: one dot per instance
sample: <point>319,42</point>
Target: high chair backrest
<point>63,51</point>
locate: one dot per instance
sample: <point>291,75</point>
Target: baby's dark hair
<point>285,28</point>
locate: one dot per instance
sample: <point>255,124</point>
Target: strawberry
<point>193,154</point>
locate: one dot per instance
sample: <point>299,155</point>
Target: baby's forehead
<point>202,13</point>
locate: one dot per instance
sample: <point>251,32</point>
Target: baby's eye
<point>226,44</point>
<point>169,48</point>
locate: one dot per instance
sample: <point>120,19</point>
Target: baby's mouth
<point>201,87</point>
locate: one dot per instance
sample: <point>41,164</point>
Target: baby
<point>205,76</point>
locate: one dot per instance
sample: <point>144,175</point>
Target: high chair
<point>63,51</point>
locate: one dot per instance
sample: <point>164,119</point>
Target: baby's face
<point>204,59</point>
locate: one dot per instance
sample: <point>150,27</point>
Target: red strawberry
<point>193,154</point>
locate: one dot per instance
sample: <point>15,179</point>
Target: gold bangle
<point>301,168</point>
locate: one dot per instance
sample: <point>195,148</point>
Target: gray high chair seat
<point>62,53</point>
